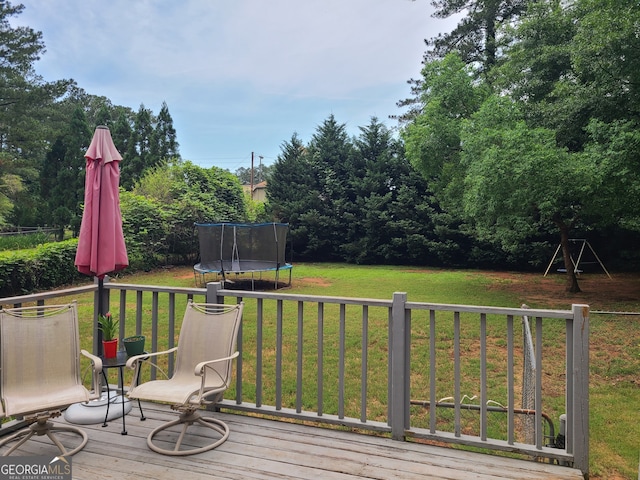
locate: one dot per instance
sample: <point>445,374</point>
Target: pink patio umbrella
<point>101,247</point>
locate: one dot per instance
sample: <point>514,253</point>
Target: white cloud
<point>225,62</point>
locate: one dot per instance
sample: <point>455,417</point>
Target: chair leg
<point>186,420</point>
<point>40,428</point>
<point>21,437</point>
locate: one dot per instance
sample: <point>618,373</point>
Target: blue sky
<point>239,76</point>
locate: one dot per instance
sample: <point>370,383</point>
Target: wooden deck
<point>266,449</point>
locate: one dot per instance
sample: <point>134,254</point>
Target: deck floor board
<point>262,449</point>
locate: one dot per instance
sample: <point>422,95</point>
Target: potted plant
<point>108,325</point>
<point>134,345</point>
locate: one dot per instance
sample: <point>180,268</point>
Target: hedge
<point>42,268</point>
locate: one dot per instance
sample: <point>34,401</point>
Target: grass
<point>614,341</point>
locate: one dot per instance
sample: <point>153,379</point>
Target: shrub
<point>145,230</point>
<point>41,268</point>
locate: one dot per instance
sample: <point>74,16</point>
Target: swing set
<point>580,245</point>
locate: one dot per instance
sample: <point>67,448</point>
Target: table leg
<point>104,375</point>
<point>121,381</point>
<point>142,417</point>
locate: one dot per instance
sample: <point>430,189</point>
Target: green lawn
<point>615,339</point>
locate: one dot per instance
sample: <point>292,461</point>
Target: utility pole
<point>251,175</point>
<point>260,169</point>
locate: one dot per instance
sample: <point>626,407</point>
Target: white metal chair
<point>204,359</point>
<point>40,371</point>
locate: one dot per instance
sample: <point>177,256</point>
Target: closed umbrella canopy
<point>101,247</point>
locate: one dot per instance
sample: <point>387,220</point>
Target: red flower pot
<point>109,348</point>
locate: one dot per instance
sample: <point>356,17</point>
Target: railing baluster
<point>341,360</point>
<point>456,372</point>
<point>407,366</point>
<point>239,361</point>
<point>320,358</point>
<point>510,383</point>
<point>259,350</point>
<point>299,357</point>
<point>171,330</point>
<point>389,366</point>
<point>483,377</point>
<point>139,307</point>
<point>538,399</point>
<point>40,303</point>
<point>569,385</point>
<point>432,371</point>
<point>154,329</point>
<point>123,314</point>
<point>364,363</point>
<point>279,355</point>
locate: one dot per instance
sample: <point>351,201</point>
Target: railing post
<point>400,364</point>
<point>212,292</point>
<point>579,429</point>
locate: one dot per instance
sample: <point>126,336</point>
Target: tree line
<point>521,133</point>
<point>46,127</point>
<point>525,121</point>
<point>359,200</point>
<point>524,129</point>
<point>45,130</point>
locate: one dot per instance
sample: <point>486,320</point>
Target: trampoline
<point>234,249</point>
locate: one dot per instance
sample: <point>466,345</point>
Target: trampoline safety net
<point>242,248</point>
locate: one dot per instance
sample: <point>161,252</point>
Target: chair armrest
<point>96,381</point>
<point>199,370</point>
<point>95,361</point>
<point>136,362</point>
<point>133,361</point>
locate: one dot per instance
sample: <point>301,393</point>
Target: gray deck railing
<point>409,369</point>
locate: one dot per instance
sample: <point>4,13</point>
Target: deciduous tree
<point>518,182</point>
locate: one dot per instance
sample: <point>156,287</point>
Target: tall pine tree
<point>138,151</point>
<point>164,144</point>
<point>63,174</point>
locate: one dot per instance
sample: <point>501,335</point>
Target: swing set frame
<point>576,262</point>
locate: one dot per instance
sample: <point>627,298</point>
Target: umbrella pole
<point>101,299</point>
<point>103,304</point>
